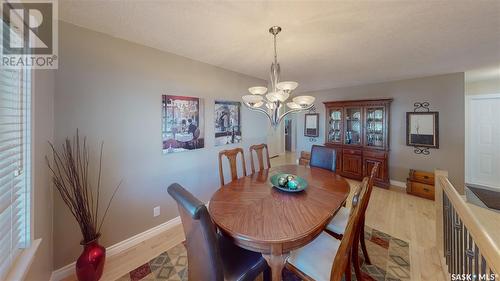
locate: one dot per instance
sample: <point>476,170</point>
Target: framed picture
<point>422,129</point>
<point>227,122</point>
<point>182,124</point>
<point>311,125</point>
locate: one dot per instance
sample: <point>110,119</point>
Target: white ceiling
<point>324,44</point>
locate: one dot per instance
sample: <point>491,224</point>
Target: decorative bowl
<point>293,183</point>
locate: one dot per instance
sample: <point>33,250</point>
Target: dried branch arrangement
<point>70,175</point>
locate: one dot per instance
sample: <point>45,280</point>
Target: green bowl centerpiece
<point>288,182</point>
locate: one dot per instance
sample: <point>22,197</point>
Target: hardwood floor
<point>287,158</point>
<point>411,219</point>
<point>392,211</point>
<point>403,216</point>
<point>124,262</point>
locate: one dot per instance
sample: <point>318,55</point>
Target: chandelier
<point>273,103</point>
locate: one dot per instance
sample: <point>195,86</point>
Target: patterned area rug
<point>389,256</point>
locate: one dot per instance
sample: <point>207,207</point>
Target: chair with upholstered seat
<point>323,157</point>
<point>327,258</point>
<point>211,256</point>
<point>338,224</point>
<point>232,156</point>
<point>259,150</point>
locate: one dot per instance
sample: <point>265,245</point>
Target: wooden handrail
<point>487,246</point>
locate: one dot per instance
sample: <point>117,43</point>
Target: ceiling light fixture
<point>273,103</point>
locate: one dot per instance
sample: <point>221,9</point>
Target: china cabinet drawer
<point>375,154</point>
<point>352,151</point>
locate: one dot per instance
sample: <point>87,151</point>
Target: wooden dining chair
<point>212,256</point>
<point>361,228</point>
<point>339,222</point>
<point>231,155</point>
<point>327,258</point>
<point>259,150</point>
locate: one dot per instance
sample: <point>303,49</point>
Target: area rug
<point>389,256</point>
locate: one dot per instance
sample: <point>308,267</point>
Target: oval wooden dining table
<point>261,218</point>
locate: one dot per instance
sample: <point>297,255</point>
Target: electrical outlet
<point>156,211</point>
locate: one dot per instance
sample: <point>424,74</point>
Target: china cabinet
<point>359,131</point>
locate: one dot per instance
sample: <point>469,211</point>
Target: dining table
<point>259,217</point>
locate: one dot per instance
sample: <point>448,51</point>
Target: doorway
<point>483,140</point>
<point>288,135</point>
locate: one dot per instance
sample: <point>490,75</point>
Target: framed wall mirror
<point>422,129</point>
<point>311,125</point>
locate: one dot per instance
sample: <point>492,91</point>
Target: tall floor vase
<point>90,264</point>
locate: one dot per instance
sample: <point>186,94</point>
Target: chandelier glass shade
<point>273,104</point>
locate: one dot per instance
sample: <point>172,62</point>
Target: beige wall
<point>43,130</point>
<point>483,87</point>
<point>111,90</point>
<point>445,94</point>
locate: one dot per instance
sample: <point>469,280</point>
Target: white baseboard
<point>63,272</point>
<point>398,184</point>
<point>67,270</point>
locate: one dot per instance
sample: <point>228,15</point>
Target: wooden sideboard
<point>359,131</point>
<point>421,184</point>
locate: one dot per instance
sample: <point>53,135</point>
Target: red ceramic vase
<point>90,264</point>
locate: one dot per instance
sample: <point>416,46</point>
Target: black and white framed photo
<point>227,122</point>
<point>311,125</point>
<point>422,129</point>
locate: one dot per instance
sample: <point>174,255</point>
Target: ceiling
<point>324,44</point>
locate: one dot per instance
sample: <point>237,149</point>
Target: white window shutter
<point>15,162</point>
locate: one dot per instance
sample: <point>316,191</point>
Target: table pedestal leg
<point>276,261</point>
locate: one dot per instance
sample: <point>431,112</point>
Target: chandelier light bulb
<point>293,105</point>
<point>272,97</point>
<point>259,90</point>
<point>258,104</point>
<point>287,86</point>
<point>304,101</point>
<point>283,96</point>
<point>253,100</point>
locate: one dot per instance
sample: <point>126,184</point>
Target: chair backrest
<point>360,202</point>
<point>366,197</point>
<point>204,260</point>
<point>323,157</point>
<point>231,155</point>
<point>259,150</point>
<point>342,258</point>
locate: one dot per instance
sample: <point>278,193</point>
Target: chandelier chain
<point>275,53</point>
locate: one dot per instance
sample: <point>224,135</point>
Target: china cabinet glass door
<point>352,126</point>
<point>335,125</point>
<point>374,136</point>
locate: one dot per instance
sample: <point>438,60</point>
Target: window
<point>15,164</point>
